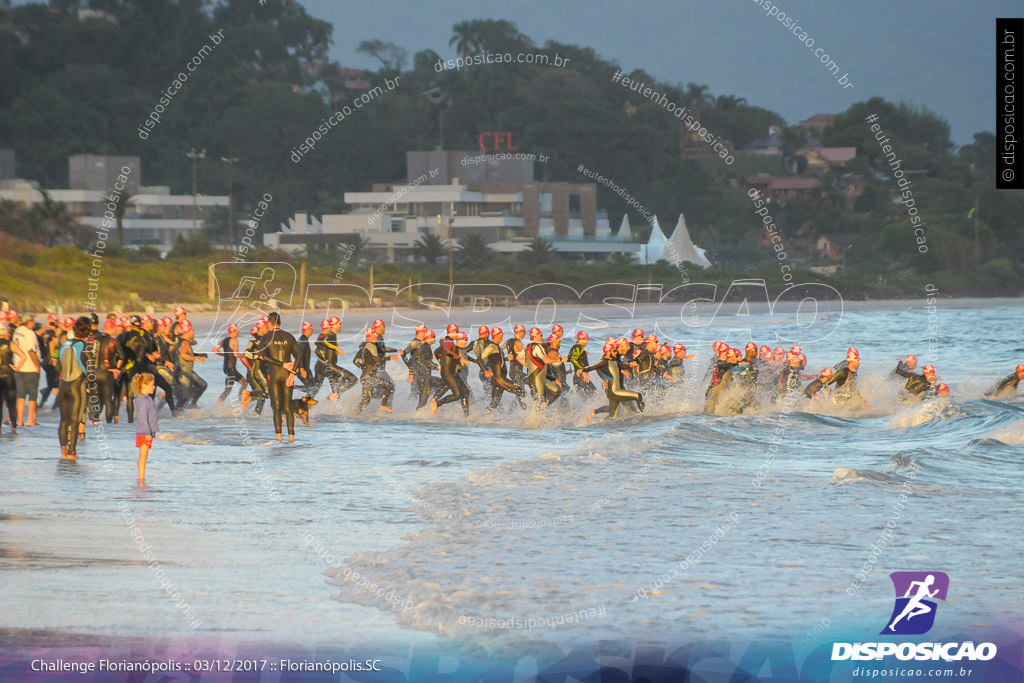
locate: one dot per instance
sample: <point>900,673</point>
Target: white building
<point>153,216</point>
<point>393,218</point>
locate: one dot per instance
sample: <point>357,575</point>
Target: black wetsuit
<point>675,369</point>
<point>476,347</point>
<point>277,348</point>
<point>71,396</point>
<point>813,387</point>
<point>256,377</point>
<point>516,372</point>
<point>578,360</point>
<point>7,395</point>
<point>192,385</point>
<point>1006,386</point>
<point>718,374</point>
<point>543,389</point>
<point>419,359</point>
<point>374,378</point>
<point>492,360</point>
<point>844,380</point>
<point>231,373</point>
<point>136,346</point>
<point>789,379</point>
<point>302,364</point>
<point>103,354</point>
<point>48,365</point>
<point>450,360</point>
<point>326,367</point>
<point>608,369</point>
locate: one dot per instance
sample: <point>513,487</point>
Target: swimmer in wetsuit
<point>578,360</point>
<point>327,367</point>
<point>544,390</point>
<point>302,368</point>
<point>493,364</point>
<point>818,383</point>
<point>844,377</point>
<point>228,348</point>
<point>919,385</point>
<point>256,378</point>
<point>608,369</point>
<point>515,354</point>
<point>374,378</point>
<point>278,350</point>
<point>449,357</point>
<point>103,357</point>
<point>71,397</point>
<point>418,357</point>
<point>1007,386</point>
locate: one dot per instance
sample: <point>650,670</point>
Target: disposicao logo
<point>914,612</point>
<point>912,615</point>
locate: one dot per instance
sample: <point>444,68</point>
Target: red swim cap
<point>325,323</point>
<point>519,328</point>
<point>421,329</point>
<point>679,348</point>
<point>68,322</point>
<point>483,331</point>
<point>582,336</point>
<point>306,325</point>
<point>554,338</point>
<point>234,328</point>
<point>254,331</point>
<point>535,333</point>
<point>638,333</point>
<point>497,332</point>
<point>928,370</point>
<point>652,338</point>
<point>335,321</point>
<point>557,329</point>
<point>371,334</point>
<point>429,335</point>
<point>751,346</point>
<point>1020,369</point>
<point>180,310</point>
<point>825,374</point>
<point>378,324</point>
<point>167,321</point>
<point>452,328</point>
<point>852,354</point>
<point>50,318</point>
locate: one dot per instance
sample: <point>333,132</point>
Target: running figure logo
<point>914,612</point>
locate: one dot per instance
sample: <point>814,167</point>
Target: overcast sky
<point>925,52</point>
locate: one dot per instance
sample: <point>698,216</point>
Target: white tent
<point>625,233</point>
<point>654,250</point>
<point>681,248</point>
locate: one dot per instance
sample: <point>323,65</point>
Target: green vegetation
<point>70,85</point>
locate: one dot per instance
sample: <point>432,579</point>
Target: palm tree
<point>429,248</point>
<point>464,38</point>
<point>119,210</point>
<point>540,250</point>
<point>50,220</point>
<point>474,251</point>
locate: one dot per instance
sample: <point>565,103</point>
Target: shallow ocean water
<point>476,529</point>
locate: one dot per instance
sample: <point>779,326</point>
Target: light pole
<point>195,156</point>
<point>451,260</point>
<point>230,161</point>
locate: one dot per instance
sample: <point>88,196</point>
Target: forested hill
<point>84,82</point>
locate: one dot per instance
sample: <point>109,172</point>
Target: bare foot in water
<point>386,409</point>
<point>433,407</point>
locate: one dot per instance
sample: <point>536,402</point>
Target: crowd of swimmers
<point>89,366</point>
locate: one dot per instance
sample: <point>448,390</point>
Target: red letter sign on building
<point>496,138</point>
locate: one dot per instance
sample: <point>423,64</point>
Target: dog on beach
<point>301,406</point>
